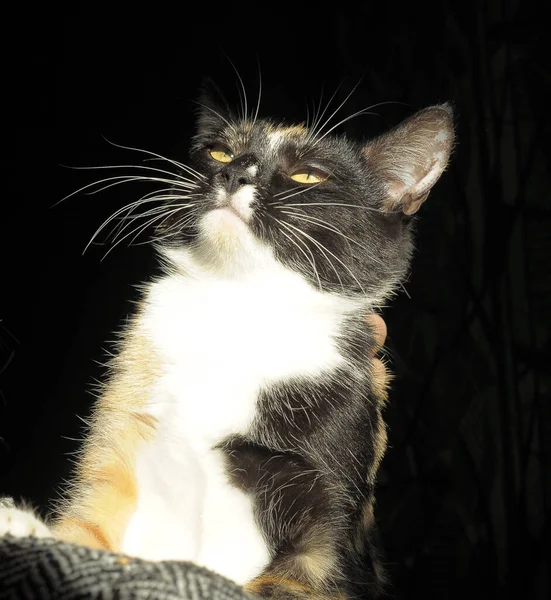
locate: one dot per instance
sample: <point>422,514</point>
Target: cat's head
<point>337,211</point>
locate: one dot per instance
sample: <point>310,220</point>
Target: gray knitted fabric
<point>45,568</point>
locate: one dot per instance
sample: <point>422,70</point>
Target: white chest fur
<point>221,340</point>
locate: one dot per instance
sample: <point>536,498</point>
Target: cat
<point>239,427</point>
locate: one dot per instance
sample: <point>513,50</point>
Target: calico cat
<point>239,427</point>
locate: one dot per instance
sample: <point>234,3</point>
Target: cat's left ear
<point>213,111</point>
<point>410,158</point>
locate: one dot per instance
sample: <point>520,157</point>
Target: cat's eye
<point>309,176</point>
<point>221,153</point>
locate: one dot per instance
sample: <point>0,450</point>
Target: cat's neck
<point>264,276</point>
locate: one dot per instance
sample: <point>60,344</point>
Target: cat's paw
<point>20,522</point>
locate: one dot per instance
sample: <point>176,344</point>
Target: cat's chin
<point>225,229</point>
<point>226,242</point>
<point>226,219</point>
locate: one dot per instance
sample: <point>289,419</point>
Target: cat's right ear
<point>213,111</point>
<point>410,158</point>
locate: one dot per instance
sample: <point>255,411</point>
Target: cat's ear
<point>213,111</point>
<point>410,158</point>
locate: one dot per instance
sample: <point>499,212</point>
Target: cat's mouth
<point>232,212</point>
<point>230,216</point>
<point>238,204</point>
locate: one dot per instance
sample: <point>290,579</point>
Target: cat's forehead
<point>265,136</point>
<point>290,133</point>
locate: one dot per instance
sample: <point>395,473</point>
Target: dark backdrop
<point>465,488</point>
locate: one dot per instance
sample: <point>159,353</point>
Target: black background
<point>465,488</point>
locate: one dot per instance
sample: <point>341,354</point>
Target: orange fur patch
<point>104,494</point>
<point>380,443</point>
<point>380,380</point>
<point>257,584</point>
<point>80,532</point>
<point>292,131</point>
<point>287,588</point>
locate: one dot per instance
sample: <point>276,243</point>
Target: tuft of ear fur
<point>411,157</point>
<point>213,111</point>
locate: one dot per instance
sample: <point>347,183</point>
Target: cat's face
<point>336,210</point>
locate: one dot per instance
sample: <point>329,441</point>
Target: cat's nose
<point>238,173</point>
<point>234,179</point>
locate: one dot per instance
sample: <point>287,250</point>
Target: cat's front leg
<point>20,521</point>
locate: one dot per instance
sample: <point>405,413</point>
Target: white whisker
<point>160,157</point>
<point>341,122</point>
<point>90,168</point>
<point>243,91</point>
<point>130,178</point>
<point>259,94</point>
<point>147,198</point>
<point>311,260</point>
<point>178,226</point>
<point>287,191</point>
<point>341,204</point>
<point>120,179</point>
<point>305,189</point>
<point>141,228</point>
<point>317,119</point>
<point>322,248</point>
<point>168,189</point>
<point>160,224</point>
<point>320,129</point>
<point>324,225</point>
<point>157,210</point>
<point>230,125</point>
<point>363,111</point>
<point>130,206</point>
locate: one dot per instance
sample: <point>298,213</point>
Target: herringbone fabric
<point>45,568</point>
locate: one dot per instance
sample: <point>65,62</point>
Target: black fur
<point>309,461</point>
<point>377,252</point>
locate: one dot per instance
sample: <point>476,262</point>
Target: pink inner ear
<point>412,206</point>
<point>412,157</point>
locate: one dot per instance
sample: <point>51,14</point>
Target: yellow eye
<point>309,176</point>
<point>221,153</point>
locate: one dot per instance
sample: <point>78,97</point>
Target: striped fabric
<point>43,569</point>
